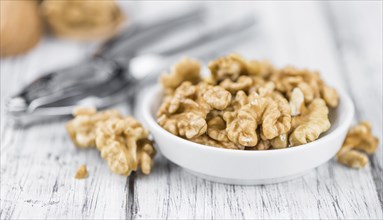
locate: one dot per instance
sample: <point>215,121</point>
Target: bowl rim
<point>148,117</point>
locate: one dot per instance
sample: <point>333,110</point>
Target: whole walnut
<point>20,26</point>
<point>82,19</point>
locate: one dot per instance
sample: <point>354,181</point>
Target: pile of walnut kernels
<point>248,105</point>
<point>122,141</point>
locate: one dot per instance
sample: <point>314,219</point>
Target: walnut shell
<point>20,26</point>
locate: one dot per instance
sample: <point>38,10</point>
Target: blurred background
<point>343,40</point>
<point>340,39</point>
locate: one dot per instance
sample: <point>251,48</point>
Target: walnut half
<point>82,19</point>
<point>359,142</point>
<point>82,128</point>
<point>124,144</point>
<point>309,125</point>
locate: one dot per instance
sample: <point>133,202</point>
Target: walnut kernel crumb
<point>81,172</point>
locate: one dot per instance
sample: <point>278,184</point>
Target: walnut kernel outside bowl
<point>246,167</point>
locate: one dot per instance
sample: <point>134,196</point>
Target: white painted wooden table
<point>342,40</point>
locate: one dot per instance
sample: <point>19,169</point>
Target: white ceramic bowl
<point>246,167</point>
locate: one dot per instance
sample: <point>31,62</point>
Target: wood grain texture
<point>361,56</point>
<point>38,163</point>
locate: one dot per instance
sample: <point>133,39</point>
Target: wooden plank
<point>359,41</point>
<point>40,180</point>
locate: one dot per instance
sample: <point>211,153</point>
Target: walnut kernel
<point>359,142</point>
